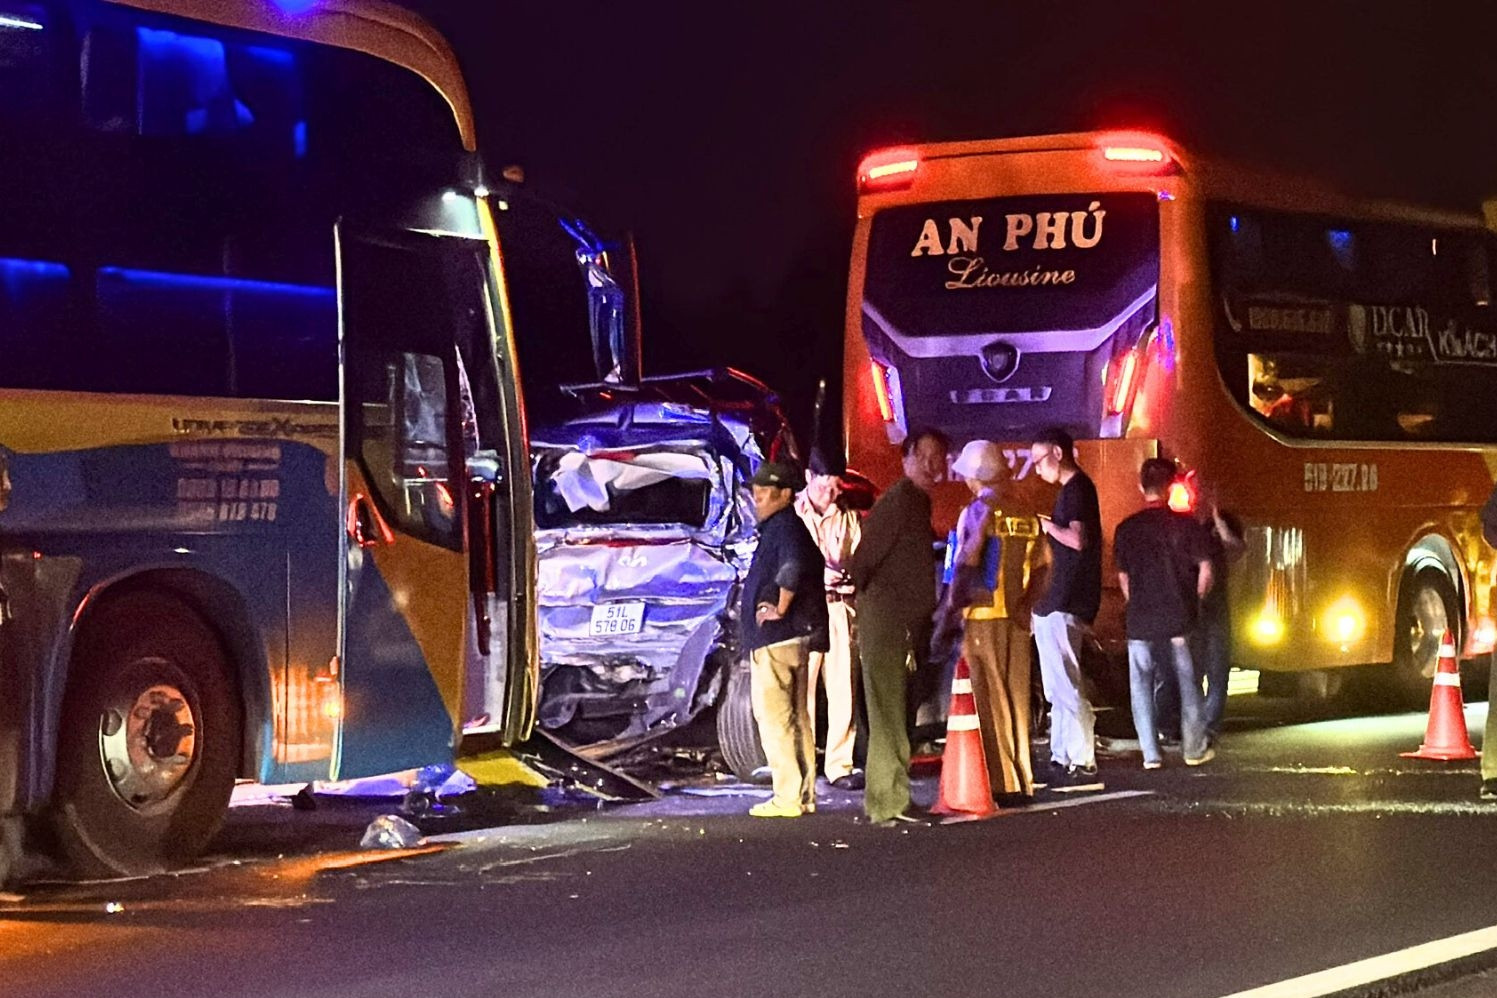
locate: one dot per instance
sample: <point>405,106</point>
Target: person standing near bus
<point>1213,638</point>
<point>894,573</point>
<point>1065,612</point>
<point>783,619</point>
<point>1164,567</point>
<point>836,528</point>
<point>993,568</point>
<point>1225,544</point>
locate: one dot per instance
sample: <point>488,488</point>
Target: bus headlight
<point>1344,622</point>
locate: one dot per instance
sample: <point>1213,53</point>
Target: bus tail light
<point>1125,374</point>
<point>1137,154</point>
<point>1122,389</point>
<point>888,170</point>
<point>881,391</point>
<point>890,397</point>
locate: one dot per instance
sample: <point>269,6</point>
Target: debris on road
<point>390,831</point>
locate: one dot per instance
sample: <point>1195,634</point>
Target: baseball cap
<point>779,475</point>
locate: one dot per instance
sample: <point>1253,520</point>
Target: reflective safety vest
<point>1008,555</point>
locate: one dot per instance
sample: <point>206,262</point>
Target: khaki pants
<point>997,653</point>
<point>779,674</point>
<point>837,668</point>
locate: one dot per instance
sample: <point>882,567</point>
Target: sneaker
<point>774,809</point>
<point>852,781</point>
<point>1203,758</point>
<point>1489,789</point>
<point>1079,778</point>
<point>1153,764</point>
<point>904,818</point>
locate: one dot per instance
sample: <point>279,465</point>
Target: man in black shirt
<point>1065,612</point>
<point>783,619</point>
<point>1164,566</point>
<point>894,572</point>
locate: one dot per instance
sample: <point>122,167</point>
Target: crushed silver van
<point>645,530</point>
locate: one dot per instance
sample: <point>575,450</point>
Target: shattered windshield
<point>652,487</point>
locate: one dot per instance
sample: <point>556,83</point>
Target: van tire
<point>150,740</point>
<point>737,731</point>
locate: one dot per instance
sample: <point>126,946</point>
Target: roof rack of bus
<point>373,27</point>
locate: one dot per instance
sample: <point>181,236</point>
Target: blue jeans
<point>1213,647</point>
<point>1174,655</point>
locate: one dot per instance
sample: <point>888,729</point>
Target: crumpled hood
<point>588,574</point>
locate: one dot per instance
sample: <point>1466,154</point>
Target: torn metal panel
<point>647,530</point>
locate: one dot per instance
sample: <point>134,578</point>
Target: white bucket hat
<point>980,461</point>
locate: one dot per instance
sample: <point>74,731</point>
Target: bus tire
<point>737,731</point>
<point>150,740</point>
<point>1426,608</point>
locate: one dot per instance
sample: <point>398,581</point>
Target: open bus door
<point>432,632</point>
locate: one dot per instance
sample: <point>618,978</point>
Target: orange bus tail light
<point>888,170</point>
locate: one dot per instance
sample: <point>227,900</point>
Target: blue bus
<point>265,509</point>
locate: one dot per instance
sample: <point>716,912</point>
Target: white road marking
<point>1085,798</point>
<point>1378,968</point>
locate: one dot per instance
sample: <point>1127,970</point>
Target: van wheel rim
<point>147,741</point>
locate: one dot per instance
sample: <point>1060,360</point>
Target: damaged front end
<point>646,532</point>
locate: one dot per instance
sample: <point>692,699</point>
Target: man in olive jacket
<point>894,572</point>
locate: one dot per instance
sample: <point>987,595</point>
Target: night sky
<point>726,136</point>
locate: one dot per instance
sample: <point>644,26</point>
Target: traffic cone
<point>964,772</point>
<point>1445,737</point>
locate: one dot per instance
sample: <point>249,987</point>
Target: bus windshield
<point>1007,313</point>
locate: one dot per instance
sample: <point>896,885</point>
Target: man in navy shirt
<point>1065,612</point>
<point>1164,566</point>
<point>783,619</point>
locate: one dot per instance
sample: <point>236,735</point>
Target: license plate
<point>617,618</point>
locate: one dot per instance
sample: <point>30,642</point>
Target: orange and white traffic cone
<point>964,772</point>
<point>1445,736</point>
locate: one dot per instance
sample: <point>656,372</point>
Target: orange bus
<point>1326,366</point>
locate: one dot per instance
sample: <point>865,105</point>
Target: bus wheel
<point>737,731</point>
<point>150,740</point>
<point>1426,608</point>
